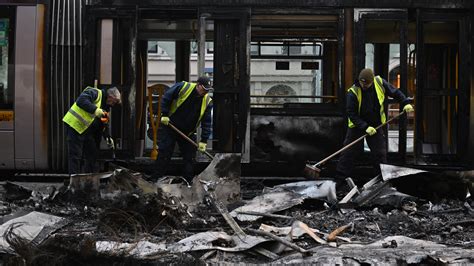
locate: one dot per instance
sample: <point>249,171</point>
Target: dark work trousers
<point>378,150</point>
<point>82,148</point>
<point>167,140</point>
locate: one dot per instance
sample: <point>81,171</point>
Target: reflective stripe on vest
<point>380,90</point>
<point>78,118</point>
<point>184,93</point>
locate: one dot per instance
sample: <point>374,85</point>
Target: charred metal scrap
<point>120,217</point>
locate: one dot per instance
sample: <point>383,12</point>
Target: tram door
<point>422,54</point>
<point>441,133</point>
<point>23,127</point>
<point>382,44</point>
<point>6,87</point>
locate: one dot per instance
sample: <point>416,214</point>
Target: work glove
<point>408,108</point>
<point>165,120</point>
<point>99,112</point>
<point>110,142</point>
<point>202,146</point>
<point>371,131</point>
<point>105,118</point>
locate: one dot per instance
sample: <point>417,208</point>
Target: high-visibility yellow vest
<point>379,89</point>
<point>184,93</point>
<point>78,118</point>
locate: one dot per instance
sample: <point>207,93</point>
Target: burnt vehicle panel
<point>286,139</point>
<point>280,70</point>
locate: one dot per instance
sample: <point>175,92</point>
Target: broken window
<point>293,64</point>
<point>440,89</point>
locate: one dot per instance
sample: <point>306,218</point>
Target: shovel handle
<point>355,141</point>
<point>189,140</point>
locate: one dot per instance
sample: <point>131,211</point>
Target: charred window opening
<point>423,57</point>
<point>298,52</point>
<point>388,52</point>
<point>440,106</point>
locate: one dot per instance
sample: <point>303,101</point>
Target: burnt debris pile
<point>119,218</point>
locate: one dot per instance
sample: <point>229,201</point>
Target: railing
<point>330,99</point>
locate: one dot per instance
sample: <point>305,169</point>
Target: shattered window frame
<point>293,57</point>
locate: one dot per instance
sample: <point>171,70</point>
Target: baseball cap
<point>206,82</point>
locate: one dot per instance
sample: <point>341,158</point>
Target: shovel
<point>189,140</point>
<point>313,171</point>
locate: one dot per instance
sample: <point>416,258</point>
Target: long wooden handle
<point>189,140</point>
<point>355,141</point>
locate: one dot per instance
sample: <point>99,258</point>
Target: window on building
<point>286,49</point>
<point>152,47</point>
<point>209,48</point>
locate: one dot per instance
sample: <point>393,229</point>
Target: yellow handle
<point>155,121</point>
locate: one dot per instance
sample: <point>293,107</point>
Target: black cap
<point>205,81</point>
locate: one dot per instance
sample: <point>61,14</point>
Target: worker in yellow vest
<point>86,121</point>
<point>186,105</point>
<point>365,107</point>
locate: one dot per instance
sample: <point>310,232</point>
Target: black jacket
<point>186,116</point>
<point>370,108</point>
